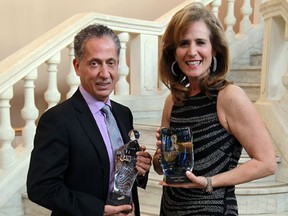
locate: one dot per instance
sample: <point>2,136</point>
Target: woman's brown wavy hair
<point>179,23</point>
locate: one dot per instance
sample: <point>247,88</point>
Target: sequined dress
<point>215,151</point>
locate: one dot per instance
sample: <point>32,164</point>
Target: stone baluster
<point>230,20</point>
<point>215,7</point>
<point>52,95</point>
<point>72,79</point>
<point>122,86</point>
<point>7,133</point>
<point>245,23</point>
<point>29,112</point>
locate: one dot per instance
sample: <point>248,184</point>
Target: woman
<point>193,65</point>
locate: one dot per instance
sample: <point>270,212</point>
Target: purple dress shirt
<point>95,107</point>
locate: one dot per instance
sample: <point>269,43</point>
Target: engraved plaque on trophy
<point>125,171</point>
<point>177,154</point>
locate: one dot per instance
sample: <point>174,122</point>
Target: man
<point>71,167</point>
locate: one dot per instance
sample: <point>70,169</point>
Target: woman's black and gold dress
<point>215,151</point>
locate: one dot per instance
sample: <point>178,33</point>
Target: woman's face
<point>194,51</point>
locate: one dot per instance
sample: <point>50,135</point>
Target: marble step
<point>245,74</point>
<point>248,78</point>
<point>254,198</point>
<point>33,209</point>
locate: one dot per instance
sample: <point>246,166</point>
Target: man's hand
<point>110,210</point>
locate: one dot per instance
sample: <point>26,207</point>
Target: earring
<point>172,69</point>
<point>213,66</point>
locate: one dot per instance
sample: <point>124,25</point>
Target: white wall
<point>22,21</point>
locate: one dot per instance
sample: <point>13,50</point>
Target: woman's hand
<point>158,141</point>
<point>157,154</point>
<point>196,182</point>
<point>143,163</point>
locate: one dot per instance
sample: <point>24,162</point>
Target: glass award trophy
<point>177,154</point>
<point>125,171</point>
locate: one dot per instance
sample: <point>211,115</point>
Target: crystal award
<point>125,171</point>
<point>177,154</point>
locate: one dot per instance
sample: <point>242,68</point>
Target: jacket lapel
<point>89,125</point>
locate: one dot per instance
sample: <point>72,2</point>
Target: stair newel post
<point>144,64</point>
<point>29,112</point>
<point>52,95</point>
<point>230,20</point>
<point>215,7</point>
<point>246,11</point>
<point>72,79</point>
<point>7,133</point>
<point>122,86</point>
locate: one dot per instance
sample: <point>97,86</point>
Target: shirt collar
<point>94,104</point>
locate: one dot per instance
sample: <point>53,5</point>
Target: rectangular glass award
<point>177,155</point>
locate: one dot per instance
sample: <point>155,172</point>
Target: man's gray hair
<point>93,31</point>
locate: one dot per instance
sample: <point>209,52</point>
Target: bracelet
<point>209,187</point>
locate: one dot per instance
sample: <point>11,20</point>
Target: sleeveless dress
<point>215,151</point>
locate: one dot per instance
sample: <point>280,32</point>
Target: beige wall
<point>22,21</point>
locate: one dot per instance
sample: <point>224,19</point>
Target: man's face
<point>98,68</point>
